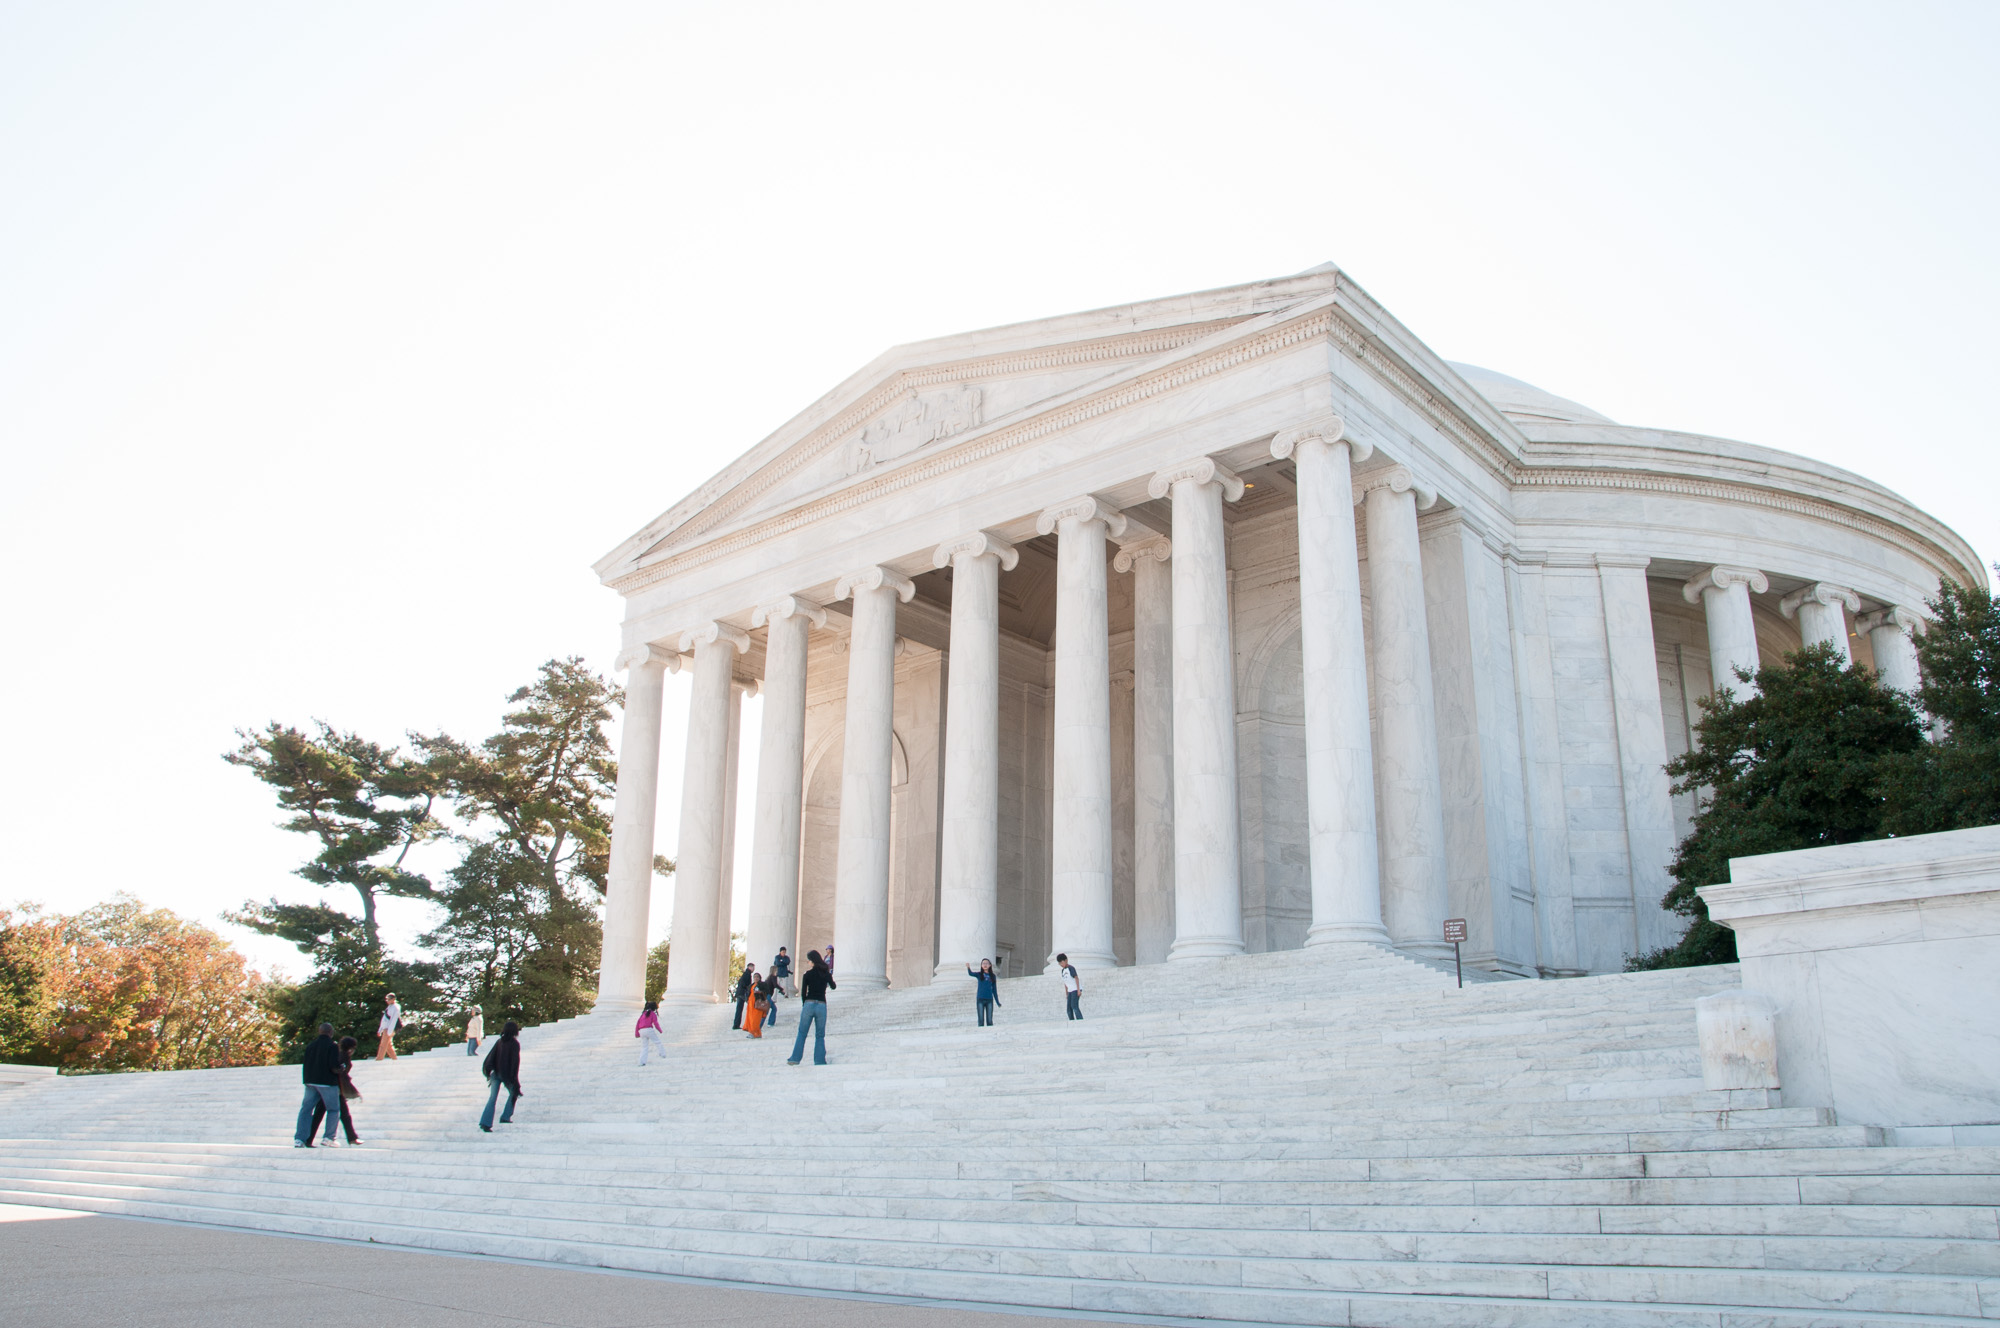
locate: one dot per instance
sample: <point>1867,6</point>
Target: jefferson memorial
<point>1221,623</point>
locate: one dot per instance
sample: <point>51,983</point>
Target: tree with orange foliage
<point>124,987</point>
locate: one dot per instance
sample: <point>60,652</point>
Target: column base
<point>954,971</point>
<point>1204,947</point>
<point>1348,933</point>
<point>861,981</point>
<point>617,1005</point>
<point>686,998</point>
<point>1082,963</point>
<point>1435,951</point>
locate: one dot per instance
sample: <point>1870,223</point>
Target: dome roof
<point>1524,401</point>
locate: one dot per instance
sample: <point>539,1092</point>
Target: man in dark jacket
<point>503,1069</point>
<point>812,1008</point>
<point>322,1076</point>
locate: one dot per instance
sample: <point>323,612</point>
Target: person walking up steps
<point>743,985</point>
<point>988,995</point>
<point>348,1093</point>
<point>385,1032</point>
<point>813,986</point>
<point>781,969</point>
<point>503,1070</point>
<point>475,1029</point>
<point>1072,987</point>
<point>321,1072</point>
<point>648,1032</point>
<point>762,997</point>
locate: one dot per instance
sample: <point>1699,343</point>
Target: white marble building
<point>1235,621</point>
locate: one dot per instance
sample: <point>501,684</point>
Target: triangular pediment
<point>918,398</point>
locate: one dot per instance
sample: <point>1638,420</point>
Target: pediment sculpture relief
<point>920,419</point>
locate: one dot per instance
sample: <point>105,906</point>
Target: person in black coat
<point>502,1067</point>
<point>348,1093</point>
<point>321,1072</point>
<point>743,986</point>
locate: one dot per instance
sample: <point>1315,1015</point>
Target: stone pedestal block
<point>1739,1040</point>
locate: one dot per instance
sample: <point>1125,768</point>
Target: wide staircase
<point>1335,1136</point>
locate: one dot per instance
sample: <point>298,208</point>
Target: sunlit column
<point>1818,609</point>
<point>861,885</point>
<point>1892,634</point>
<point>692,977</point>
<point>1152,747</point>
<point>969,850</point>
<point>774,855</point>
<point>1340,757</point>
<point>1208,882</point>
<point>1724,595</point>
<point>628,892</point>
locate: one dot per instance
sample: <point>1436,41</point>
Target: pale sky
<point>337,341</point>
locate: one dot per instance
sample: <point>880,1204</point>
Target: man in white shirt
<point>385,1032</point>
<point>1072,986</point>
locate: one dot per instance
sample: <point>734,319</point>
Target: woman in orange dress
<point>760,1005</point>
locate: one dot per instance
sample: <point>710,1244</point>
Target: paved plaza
<point>73,1270</point>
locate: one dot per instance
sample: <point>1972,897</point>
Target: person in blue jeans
<point>1072,987</point>
<point>988,995</point>
<point>321,1072</point>
<point>812,1008</point>
<point>503,1070</point>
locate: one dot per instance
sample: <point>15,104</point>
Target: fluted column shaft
<point>698,867</point>
<point>1081,849</point>
<point>969,849</point>
<point>1818,608</point>
<point>1408,783</point>
<point>774,854</point>
<point>1892,639</point>
<point>628,893</point>
<point>1208,883</point>
<point>1724,593</point>
<point>1340,759</point>
<point>1152,748</point>
<point>861,883</point>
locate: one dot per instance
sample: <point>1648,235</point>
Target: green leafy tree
<point>1954,783</point>
<point>364,804</point>
<point>348,982</point>
<point>521,935</point>
<point>1802,763</point>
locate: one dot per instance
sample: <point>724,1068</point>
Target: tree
<point>1803,762</point>
<point>365,805</point>
<point>124,987</point>
<point>1954,783</point>
<point>348,982</point>
<point>521,935</point>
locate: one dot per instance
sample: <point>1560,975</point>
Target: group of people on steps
<point>328,1071</point>
<point>329,1061</point>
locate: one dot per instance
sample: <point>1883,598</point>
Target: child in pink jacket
<point>648,1032</point>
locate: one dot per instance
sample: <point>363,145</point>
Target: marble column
<point>725,897</point>
<point>1152,747</point>
<point>1640,727</point>
<point>969,852</point>
<point>628,893</point>
<point>1724,595</point>
<point>1208,881</point>
<point>1340,759</point>
<point>1080,905</point>
<point>692,978</point>
<point>781,754</point>
<point>861,881</point>
<point>1818,609</point>
<point>1892,634</point>
<point>1409,784</point>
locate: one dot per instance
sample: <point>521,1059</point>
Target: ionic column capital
<point>710,633</point>
<point>1159,549</point>
<point>1396,479</point>
<point>647,654</point>
<point>1087,508</point>
<point>790,606</point>
<point>875,578</point>
<point>977,545</point>
<point>1819,592</point>
<point>1329,430</point>
<point>1720,577</point>
<point>1201,470</point>
<point>1908,623</point>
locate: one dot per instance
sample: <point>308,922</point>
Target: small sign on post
<point>1454,931</point>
